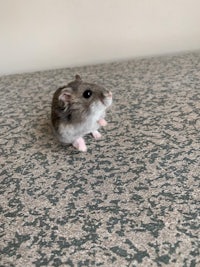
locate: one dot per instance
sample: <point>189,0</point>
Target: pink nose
<point>110,94</point>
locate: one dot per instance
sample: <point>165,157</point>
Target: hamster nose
<point>108,94</point>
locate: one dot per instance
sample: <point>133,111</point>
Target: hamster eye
<point>87,93</point>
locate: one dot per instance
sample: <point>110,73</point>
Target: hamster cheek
<point>98,108</point>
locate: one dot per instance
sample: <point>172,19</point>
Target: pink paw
<point>80,144</point>
<point>102,122</point>
<point>96,135</point>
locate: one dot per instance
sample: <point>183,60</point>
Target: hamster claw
<point>96,135</point>
<point>102,122</point>
<point>80,144</point>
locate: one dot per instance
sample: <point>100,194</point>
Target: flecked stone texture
<point>133,199</point>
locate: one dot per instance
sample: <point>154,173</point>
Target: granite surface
<point>133,199</point>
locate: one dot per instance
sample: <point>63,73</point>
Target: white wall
<point>45,34</point>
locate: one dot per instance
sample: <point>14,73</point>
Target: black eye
<point>87,93</point>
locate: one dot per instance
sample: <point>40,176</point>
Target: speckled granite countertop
<point>133,199</point>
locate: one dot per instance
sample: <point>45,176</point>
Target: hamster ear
<point>65,96</point>
<point>78,78</point>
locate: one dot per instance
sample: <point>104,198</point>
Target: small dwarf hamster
<point>78,108</point>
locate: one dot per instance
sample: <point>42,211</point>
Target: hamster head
<point>80,99</point>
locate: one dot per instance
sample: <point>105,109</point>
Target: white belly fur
<point>70,132</point>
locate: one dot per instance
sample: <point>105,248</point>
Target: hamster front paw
<point>80,144</point>
<point>102,122</point>
<point>96,135</point>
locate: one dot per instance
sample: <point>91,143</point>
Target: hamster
<point>78,108</point>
